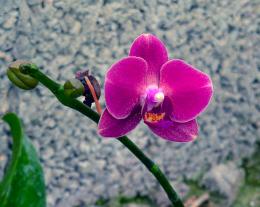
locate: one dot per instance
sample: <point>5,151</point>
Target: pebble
<point>10,20</point>
<point>225,180</point>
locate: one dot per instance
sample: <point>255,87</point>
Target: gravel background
<point>221,37</point>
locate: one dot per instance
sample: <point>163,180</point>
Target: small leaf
<point>23,184</point>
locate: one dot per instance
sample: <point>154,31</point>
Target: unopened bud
<point>74,88</point>
<point>81,75</point>
<point>20,79</point>
<point>28,67</point>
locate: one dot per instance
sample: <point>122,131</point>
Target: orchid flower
<point>167,94</point>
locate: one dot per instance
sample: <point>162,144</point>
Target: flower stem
<point>71,102</point>
<point>155,170</point>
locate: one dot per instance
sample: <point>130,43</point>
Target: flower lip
<point>151,117</point>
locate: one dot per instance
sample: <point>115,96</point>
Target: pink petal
<point>174,131</point>
<point>168,129</point>
<point>124,84</point>
<point>151,49</point>
<point>108,126</point>
<point>189,89</point>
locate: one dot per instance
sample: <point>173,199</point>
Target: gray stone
<point>34,2</point>
<point>23,48</point>
<point>11,20</point>
<point>225,180</point>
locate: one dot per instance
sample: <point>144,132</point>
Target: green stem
<point>66,100</point>
<point>155,170</point>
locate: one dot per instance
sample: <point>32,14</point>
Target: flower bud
<point>74,88</point>
<point>27,67</point>
<point>80,75</point>
<point>20,79</point>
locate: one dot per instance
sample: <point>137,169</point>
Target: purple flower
<point>167,94</point>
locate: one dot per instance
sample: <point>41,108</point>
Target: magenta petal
<point>151,49</point>
<point>125,83</point>
<point>189,89</point>
<point>174,131</point>
<point>108,126</point>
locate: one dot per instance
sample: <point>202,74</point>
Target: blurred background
<point>220,37</point>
